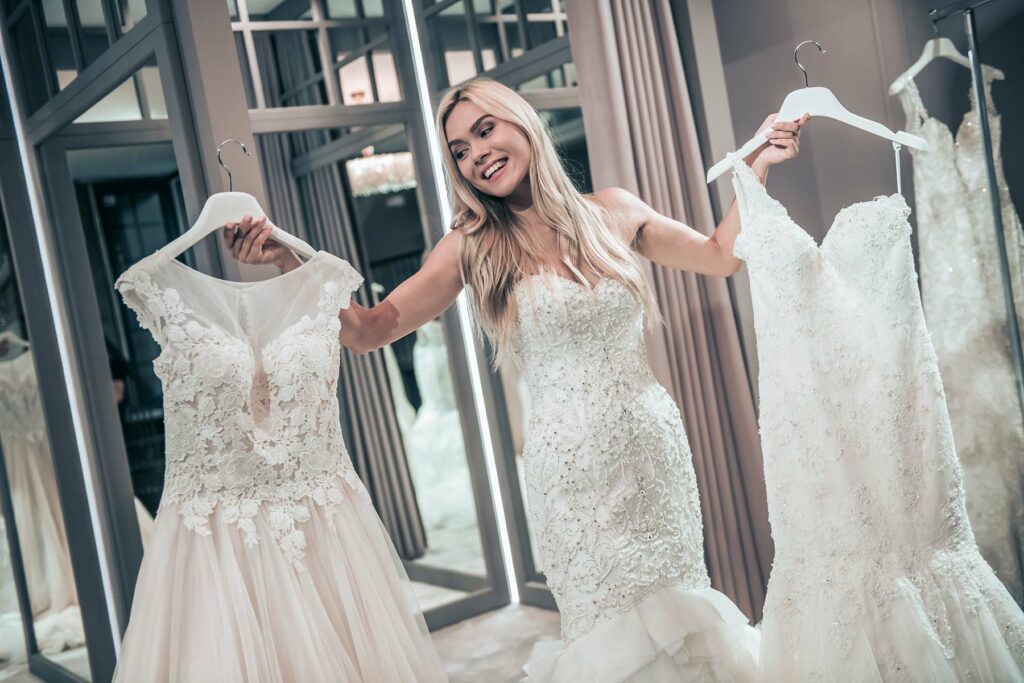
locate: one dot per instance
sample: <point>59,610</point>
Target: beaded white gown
<point>876,574</point>
<point>268,561</point>
<point>613,502</point>
<point>962,292</point>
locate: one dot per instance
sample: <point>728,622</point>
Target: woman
<point>557,282</point>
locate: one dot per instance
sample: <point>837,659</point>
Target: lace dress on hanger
<point>268,561</point>
<point>612,499</point>
<point>876,574</point>
<point>962,292</point>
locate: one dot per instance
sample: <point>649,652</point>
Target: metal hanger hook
<point>221,161</point>
<point>796,57</point>
<point>935,23</point>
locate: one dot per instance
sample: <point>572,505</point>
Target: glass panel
<point>360,84</point>
<point>378,189</point>
<point>132,12</point>
<point>279,10</point>
<point>93,35</point>
<point>139,97</point>
<point>38,514</point>
<point>58,38</point>
<point>289,64</point>
<point>29,62</point>
<point>130,203</point>
<point>556,78</point>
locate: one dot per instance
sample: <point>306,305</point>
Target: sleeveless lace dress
<point>962,292</point>
<point>267,562</point>
<point>876,574</point>
<point>612,498</point>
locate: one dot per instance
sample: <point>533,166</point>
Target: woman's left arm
<point>676,245</point>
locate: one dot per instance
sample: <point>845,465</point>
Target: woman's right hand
<point>249,242</point>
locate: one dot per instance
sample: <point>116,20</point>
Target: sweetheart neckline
<point>802,233</point>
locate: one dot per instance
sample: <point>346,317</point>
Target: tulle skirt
<point>673,636</point>
<point>946,619</point>
<point>209,608</point>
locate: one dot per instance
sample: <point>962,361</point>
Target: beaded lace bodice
<point>249,374</point>
<point>611,488</point>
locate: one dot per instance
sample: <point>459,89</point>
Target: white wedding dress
<point>876,574</point>
<point>962,292</point>
<point>613,502</point>
<point>268,562</point>
<point>46,560</point>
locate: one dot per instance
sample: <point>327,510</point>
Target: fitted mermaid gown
<point>613,501</point>
<point>876,575</point>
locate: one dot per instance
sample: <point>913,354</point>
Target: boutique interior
<point>115,128</point>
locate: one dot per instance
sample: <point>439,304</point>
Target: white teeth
<point>492,169</point>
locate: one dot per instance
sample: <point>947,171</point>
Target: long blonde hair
<point>496,246</point>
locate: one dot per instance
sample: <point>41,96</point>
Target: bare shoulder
<point>629,211</point>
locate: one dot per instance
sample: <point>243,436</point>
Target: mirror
<point>34,498</point>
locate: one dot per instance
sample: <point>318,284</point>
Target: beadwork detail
<point>610,484</point>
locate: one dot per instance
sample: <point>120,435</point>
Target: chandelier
<point>372,174</point>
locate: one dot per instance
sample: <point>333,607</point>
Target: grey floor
<point>493,647</point>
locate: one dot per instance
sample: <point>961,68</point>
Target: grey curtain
<point>313,206</point>
<point>635,105</point>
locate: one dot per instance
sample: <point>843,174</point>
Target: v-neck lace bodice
<point>249,374</point>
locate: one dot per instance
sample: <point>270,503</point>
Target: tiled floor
<point>493,647</point>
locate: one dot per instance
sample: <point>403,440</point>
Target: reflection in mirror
<point>413,459</point>
<point>130,204</point>
<point>34,498</point>
<point>963,291</point>
<point>382,183</point>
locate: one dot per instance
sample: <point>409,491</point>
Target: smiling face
<point>491,154</point>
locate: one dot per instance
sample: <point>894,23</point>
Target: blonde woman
<point>556,281</point>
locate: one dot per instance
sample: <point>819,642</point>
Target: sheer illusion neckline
<point>800,230</point>
<point>230,284</point>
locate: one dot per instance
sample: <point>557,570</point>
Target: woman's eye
<point>486,131</point>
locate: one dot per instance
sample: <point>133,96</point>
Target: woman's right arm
<point>416,301</point>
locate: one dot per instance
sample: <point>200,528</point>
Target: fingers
<point>257,244</point>
<point>246,250</point>
<point>791,146</point>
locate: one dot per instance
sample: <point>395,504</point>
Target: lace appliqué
<point>865,491</point>
<point>248,430</point>
<point>609,476</point>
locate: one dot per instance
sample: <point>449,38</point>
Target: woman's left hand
<point>783,143</point>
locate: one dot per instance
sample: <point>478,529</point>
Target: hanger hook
<point>796,57</point>
<point>221,161</point>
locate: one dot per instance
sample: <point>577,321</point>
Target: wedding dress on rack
<point>43,541</point>
<point>612,498</point>
<point>876,575</point>
<point>268,561</point>
<point>962,292</point>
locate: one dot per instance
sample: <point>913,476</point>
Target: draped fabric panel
<point>314,206</point>
<point>635,102</point>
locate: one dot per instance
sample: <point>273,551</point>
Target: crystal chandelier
<point>373,174</point>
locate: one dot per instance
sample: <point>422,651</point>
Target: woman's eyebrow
<point>472,129</point>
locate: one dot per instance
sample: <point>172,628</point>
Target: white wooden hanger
<point>229,207</point>
<point>816,101</point>
<point>939,46</point>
